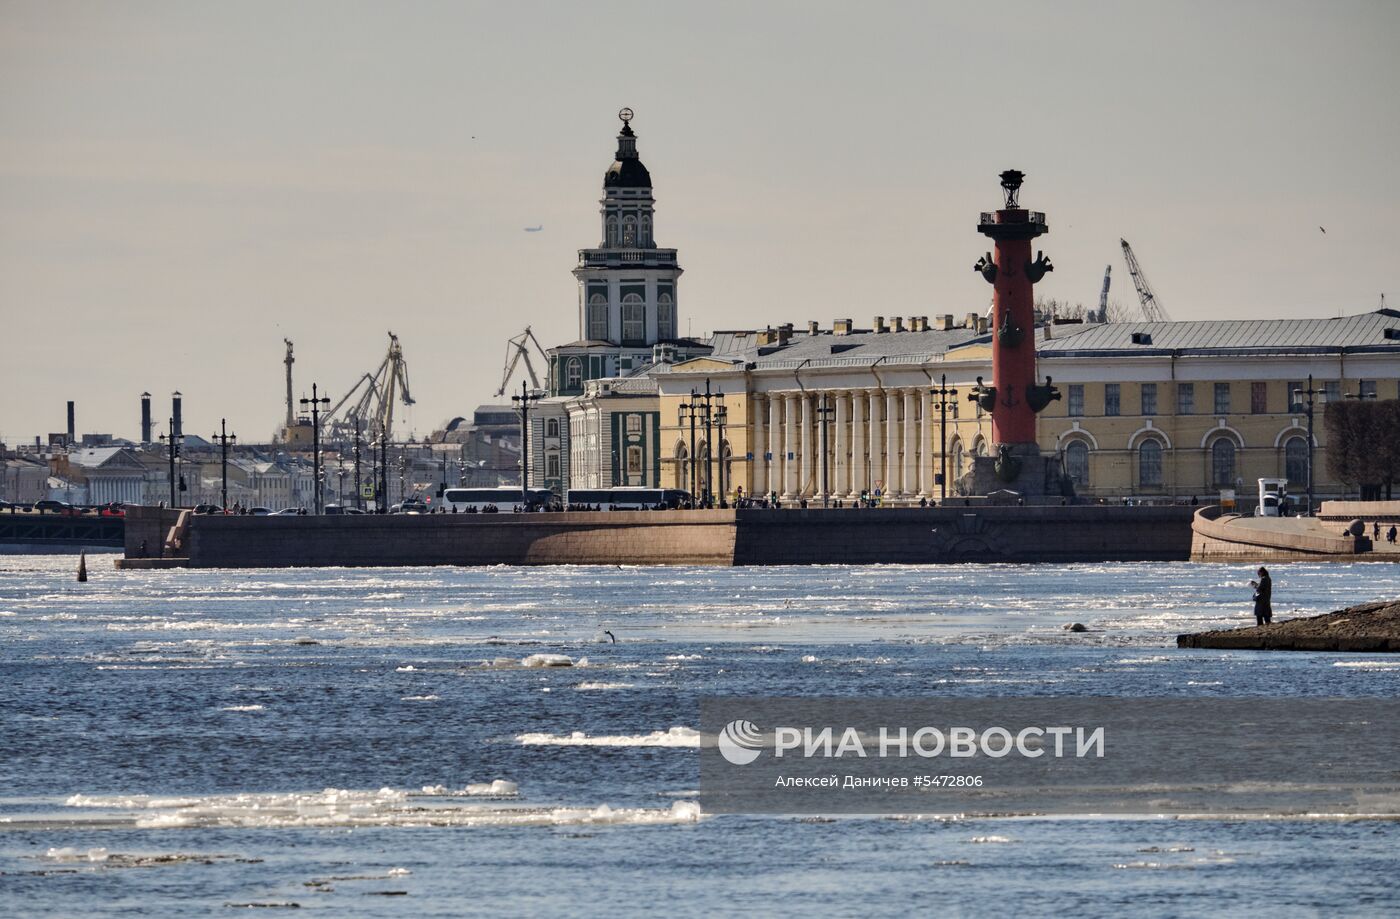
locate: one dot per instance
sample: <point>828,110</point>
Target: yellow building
<point>1169,410</point>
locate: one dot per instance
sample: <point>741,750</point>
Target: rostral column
<point>1015,395</point>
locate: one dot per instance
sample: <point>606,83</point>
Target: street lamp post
<point>824,409</point>
<point>1312,394</point>
<point>316,401</point>
<point>689,412</point>
<point>224,438</point>
<point>172,446</point>
<point>523,403</point>
<point>947,396</point>
<point>722,422</point>
<point>359,493</point>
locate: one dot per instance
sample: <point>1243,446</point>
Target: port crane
<point>1103,294</point>
<point>373,398</point>
<point>517,349</point>
<point>1151,309</point>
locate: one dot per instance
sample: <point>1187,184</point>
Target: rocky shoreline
<point>1367,627</point>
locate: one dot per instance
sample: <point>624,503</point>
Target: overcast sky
<point>184,184</point>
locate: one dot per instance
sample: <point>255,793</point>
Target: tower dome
<point>627,170</point>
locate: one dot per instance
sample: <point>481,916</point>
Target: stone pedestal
<point>1024,471</point>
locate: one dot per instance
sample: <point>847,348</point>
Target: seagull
<point>534,229</point>
<point>1324,230</point>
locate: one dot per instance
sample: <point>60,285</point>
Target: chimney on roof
<point>919,324</point>
<point>971,321</point>
<point>880,324</point>
<point>841,327</point>
<point>981,323</point>
<point>813,327</point>
<point>945,323</point>
<point>898,323</point>
<point>72,423</point>
<point>767,336</point>
<point>784,333</point>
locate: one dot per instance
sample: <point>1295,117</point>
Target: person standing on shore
<point>1263,598</point>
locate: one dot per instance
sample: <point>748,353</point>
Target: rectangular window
<point>1295,397</point>
<point>634,424</point>
<point>1149,398</point>
<point>1186,398</point>
<point>1368,389</point>
<point>1258,398</point>
<point>1222,398</point>
<point>1332,390</point>
<point>1076,398</point>
<point>634,460</point>
<point>1111,398</point>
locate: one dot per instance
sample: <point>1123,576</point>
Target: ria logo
<point>740,742</point>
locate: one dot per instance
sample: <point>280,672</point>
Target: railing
<point>663,257</point>
<point>990,217</point>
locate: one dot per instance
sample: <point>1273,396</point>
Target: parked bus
<point>505,499</point>
<point>628,499</point>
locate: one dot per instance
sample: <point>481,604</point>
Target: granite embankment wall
<point>718,537</point>
<point>1217,538</point>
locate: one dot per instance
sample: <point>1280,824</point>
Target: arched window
<point>957,464</point>
<point>979,446</point>
<point>726,459</point>
<point>634,320</point>
<point>551,427</point>
<point>1222,462</point>
<point>598,317</point>
<point>1150,463</point>
<point>1295,460</point>
<point>665,318</point>
<point>629,231</point>
<point>551,464</point>
<point>646,231</point>
<point>573,374</point>
<point>612,231</point>
<point>1077,462</point>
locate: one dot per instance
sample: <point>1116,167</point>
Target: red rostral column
<point>1014,396</point>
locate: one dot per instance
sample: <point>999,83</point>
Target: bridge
<point>29,532</point>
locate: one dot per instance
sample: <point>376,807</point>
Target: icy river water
<point>368,743</point>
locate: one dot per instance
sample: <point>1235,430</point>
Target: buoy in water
<point>82,568</point>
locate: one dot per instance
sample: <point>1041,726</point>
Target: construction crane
<point>373,398</point>
<point>516,350</point>
<point>1103,294</point>
<point>1151,309</point>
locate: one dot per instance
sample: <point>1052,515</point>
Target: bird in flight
<point>534,229</point>
<point>1324,230</point>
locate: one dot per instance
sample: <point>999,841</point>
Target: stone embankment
<point>1369,627</point>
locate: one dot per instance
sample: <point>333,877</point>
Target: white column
<point>911,446</point>
<point>789,445</point>
<point>877,463</point>
<point>805,453</point>
<point>892,442</point>
<point>840,473</point>
<point>775,444</point>
<point>857,442</point>
<point>925,453</point>
<point>759,483</point>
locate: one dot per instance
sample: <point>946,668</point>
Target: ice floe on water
<point>1369,665</point>
<point>674,737</point>
<point>242,708</point>
<point>592,687</point>
<point>428,698</point>
<point>547,660</point>
<point>335,807</point>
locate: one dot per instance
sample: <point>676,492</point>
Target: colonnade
<point>876,438</point>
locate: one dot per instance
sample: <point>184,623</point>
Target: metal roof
<point>1365,331</point>
<point>855,349</point>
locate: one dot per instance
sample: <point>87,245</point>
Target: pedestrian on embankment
<point>1263,598</point>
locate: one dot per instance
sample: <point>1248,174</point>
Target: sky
<point>184,184</point>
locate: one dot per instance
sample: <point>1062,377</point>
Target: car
<point>259,511</point>
<point>208,509</point>
<point>332,510</point>
<point>287,512</point>
<point>6,506</point>
<point>353,510</point>
<point>57,507</point>
<point>113,510</point>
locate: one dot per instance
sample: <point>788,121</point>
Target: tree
<point>1363,444</point>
